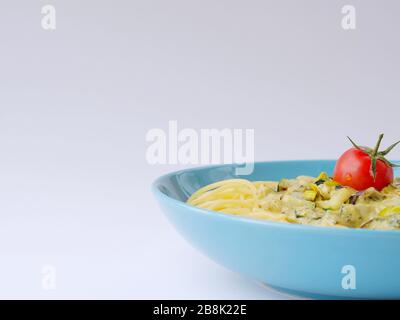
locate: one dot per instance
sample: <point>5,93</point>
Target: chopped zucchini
<point>331,183</point>
<point>324,191</point>
<point>389,210</point>
<point>322,176</point>
<point>310,195</point>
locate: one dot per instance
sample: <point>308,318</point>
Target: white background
<point>77,102</point>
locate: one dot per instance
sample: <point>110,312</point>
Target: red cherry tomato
<point>354,169</point>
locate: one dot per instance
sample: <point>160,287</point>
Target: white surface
<point>75,105</point>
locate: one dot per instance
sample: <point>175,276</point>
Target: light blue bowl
<point>299,259</point>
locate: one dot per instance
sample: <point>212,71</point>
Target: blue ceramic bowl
<point>304,260</point>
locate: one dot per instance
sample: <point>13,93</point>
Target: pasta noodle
<point>236,196</point>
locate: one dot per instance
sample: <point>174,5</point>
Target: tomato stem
<point>376,155</point>
<point>354,144</point>
<point>378,143</point>
<point>390,148</point>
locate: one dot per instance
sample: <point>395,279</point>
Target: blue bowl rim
<point>273,224</point>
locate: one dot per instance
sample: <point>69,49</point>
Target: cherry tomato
<point>354,169</point>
